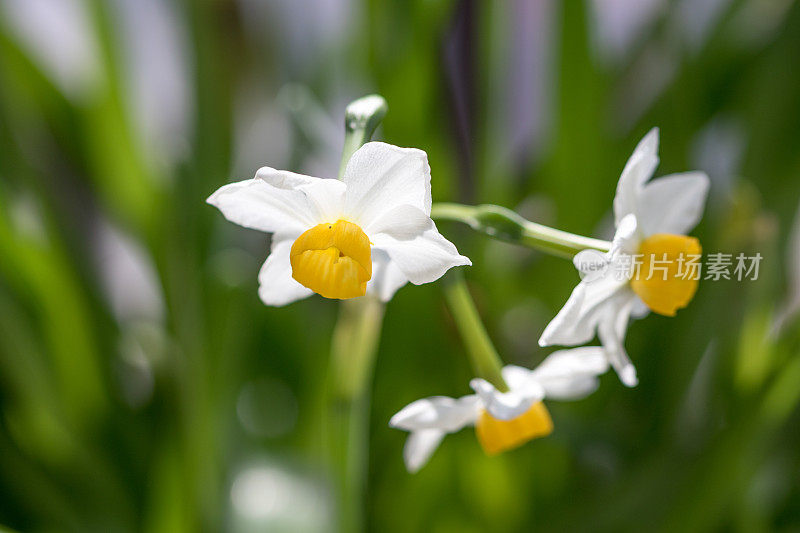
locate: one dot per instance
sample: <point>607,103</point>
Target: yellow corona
<point>333,260</point>
<point>497,436</point>
<point>662,280</point>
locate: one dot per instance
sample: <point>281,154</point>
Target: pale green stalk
<point>353,349</point>
<point>483,357</point>
<point>354,346</point>
<point>506,225</point>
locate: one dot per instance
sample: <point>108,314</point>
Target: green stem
<point>353,349</point>
<point>503,224</point>
<point>482,355</point>
<point>354,346</point>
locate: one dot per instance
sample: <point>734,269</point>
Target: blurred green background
<point>143,386</point>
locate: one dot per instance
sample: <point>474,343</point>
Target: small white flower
<point>643,268</point>
<point>369,232</point>
<point>503,420</point>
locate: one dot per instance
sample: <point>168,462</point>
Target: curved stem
<point>503,224</point>
<point>482,355</point>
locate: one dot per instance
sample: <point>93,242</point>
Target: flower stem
<point>353,349</point>
<point>482,355</point>
<point>354,345</point>
<point>506,225</point>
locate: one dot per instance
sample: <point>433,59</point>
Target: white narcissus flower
<point>503,420</point>
<point>646,268</point>
<point>370,232</point>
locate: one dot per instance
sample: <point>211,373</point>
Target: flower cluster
<point>371,233</point>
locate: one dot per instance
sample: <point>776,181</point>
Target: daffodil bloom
<point>502,420</point>
<point>370,232</point>
<point>645,268</point>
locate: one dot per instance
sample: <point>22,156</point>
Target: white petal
<point>380,177</point>
<point>324,197</point>
<point>591,263</point>
<point>506,405</point>
<point>571,374</point>
<point>637,171</point>
<point>568,326</point>
<point>516,377</point>
<point>276,285</point>
<point>402,222</point>
<point>326,200</point>
<point>576,388</point>
<point>627,238</point>
<point>576,323</point>
<point>283,179</point>
<point>639,309</point>
<point>673,204</point>
<point>419,447</point>
<point>422,258</point>
<point>386,276</point>
<point>564,363</point>
<point>258,205</point>
<point>437,412</point>
<point>523,382</point>
<point>611,330</point>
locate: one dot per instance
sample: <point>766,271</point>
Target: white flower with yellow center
<point>646,268</point>
<point>369,232</point>
<point>502,420</point>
